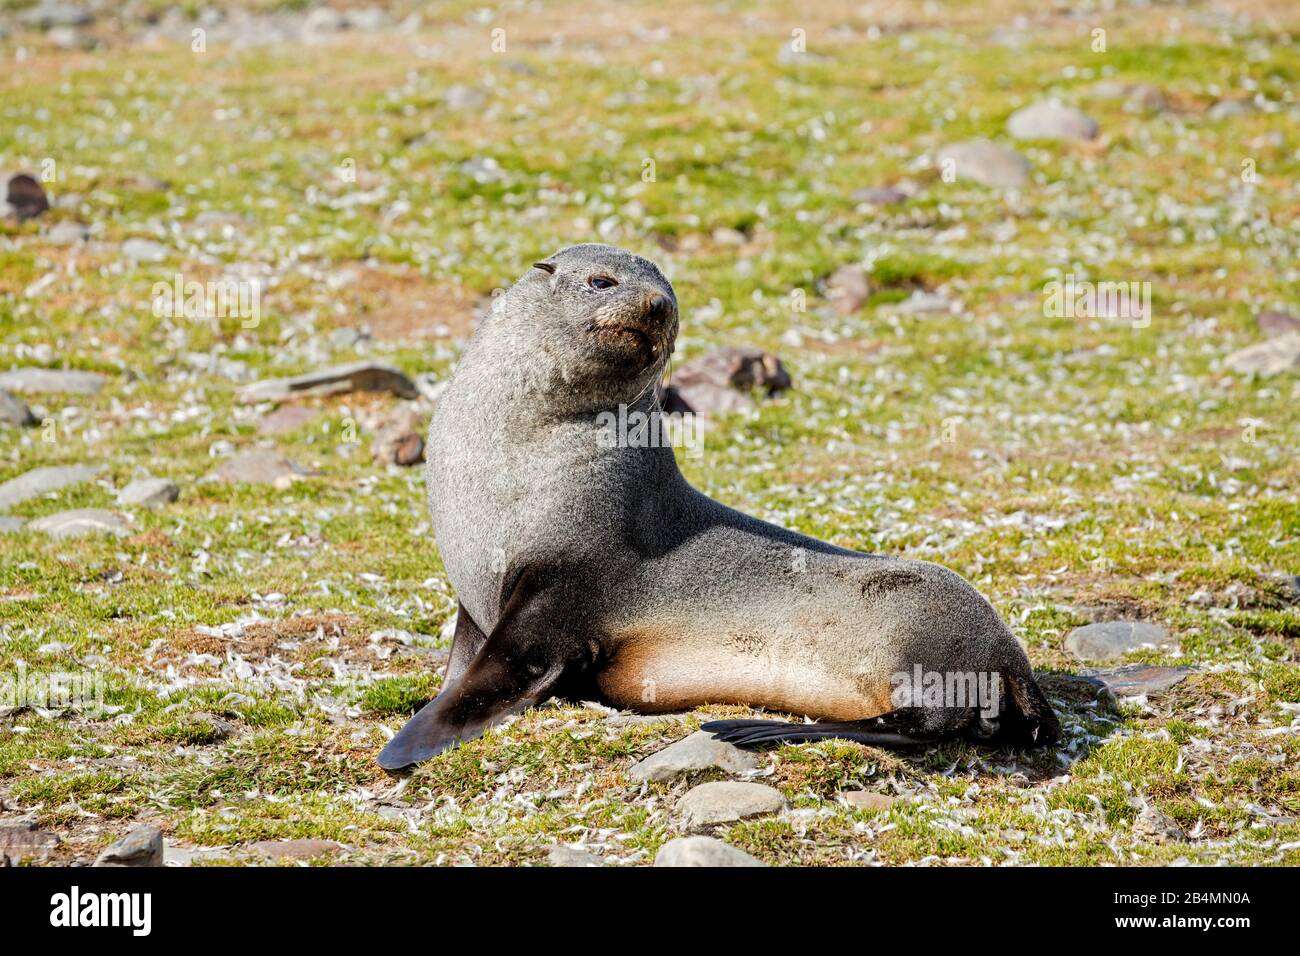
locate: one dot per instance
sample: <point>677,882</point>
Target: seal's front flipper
<point>519,663</point>
<point>898,728</point>
<point>466,641</point>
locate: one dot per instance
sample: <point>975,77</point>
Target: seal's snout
<point>658,307</point>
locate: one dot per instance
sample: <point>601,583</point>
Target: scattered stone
<point>150,492</point>
<point>483,170</point>
<point>40,481</point>
<point>1110,90</point>
<point>986,163</point>
<point>1229,109</point>
<point>462,97</point>
<point>259,467</point>
<point>643,720</point>
<point>572,856</point>
<point>848,288</point>
<point>348,338</point>
<point>14,411</point>
<point>868,799</point>
<point>26,197</point>
<point>1270,357</point>
<point>294,849</point>
<point>145,250</point>
<point>1151,825</point>
<point>79,522</point>
<point>1272,322</point>
<point>143,846</point>
<point>1111,639</point>
<point>23,841</point>
<point>357,377</point>
<point>1145,98</point>
<point>702,851</point>
<point>920,302</point>
<point>713,804</point>
<point>220,728</point>
<point>1139,680</point>
<point>286,418</point>
<point>67,233</point>
<point>1051,121</point>
<point>720,380</point>
<point>9,524</point>
<point>700,751</point>
<point>880,196</point>
<point>53,13</point>
<point>70,38</point>
<point>399,440</point>
<point>52,380</point>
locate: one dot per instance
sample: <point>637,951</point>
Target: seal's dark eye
<point>601,282</point>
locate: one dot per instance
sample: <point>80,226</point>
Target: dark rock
<point>719,380</point>
<point>40,481</point>
<point>880,196</point>
<point>14,411</point>
<point>357,377</point>
<point>399,440</point>
<point>23,841</point>
<point>143,846</point>
<point>27,197</point>
<point>1111,639</point>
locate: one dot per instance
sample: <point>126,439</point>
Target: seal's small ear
<point>547,267</point>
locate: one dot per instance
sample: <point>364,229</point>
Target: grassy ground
<point>246,633</point>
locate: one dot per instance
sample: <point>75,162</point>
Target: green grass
<point>1058,463</point>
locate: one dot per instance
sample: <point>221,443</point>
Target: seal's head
<point>596,320</point>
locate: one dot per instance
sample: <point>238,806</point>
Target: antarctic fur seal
<point>591,570</point>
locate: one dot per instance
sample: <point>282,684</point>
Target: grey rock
<point>713,804</point>
<point>572,856</point>
<point>1111,639</point>
<point>868,800</point>
<point>286,418</point>
<point>1146,98</point>
<point>399,439</point>
<point>259,467</point>
<point>1228,109</point>
<point>348,338</point>
<point>9,524</point>
<point>23,841</point>
<point>26,197</point>
<point>145,250</point>
<point>483,169</point>
<point>643,720</point>
<point>848,287</point>
<point>1270,357</point>
<point>1138,680</point>
<point>1156,827</point>
<point>1273,322</point>
<point>702,851</point>
<point>14,411</point>
<point>143,846</point>
<point>985,162</point>
<point>356,377</point>
<point>53,13</point>
<point>700,751</point>
<point>79,522</point>
<point>67,233</point>
<point>294,849</point>
<point>882,196</point>
<point>150,492</point>
<point>1052,121</point>
<point>52,380</point>
<point>462,97</point>
<point>719,381</point>
<point>40,481</point>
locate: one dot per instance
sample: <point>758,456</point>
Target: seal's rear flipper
<point>898,728</point>
<point>419,739</point>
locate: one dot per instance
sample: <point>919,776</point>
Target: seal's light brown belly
<point>653,672</point>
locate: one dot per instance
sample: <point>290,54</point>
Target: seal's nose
<point>658,307</point>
